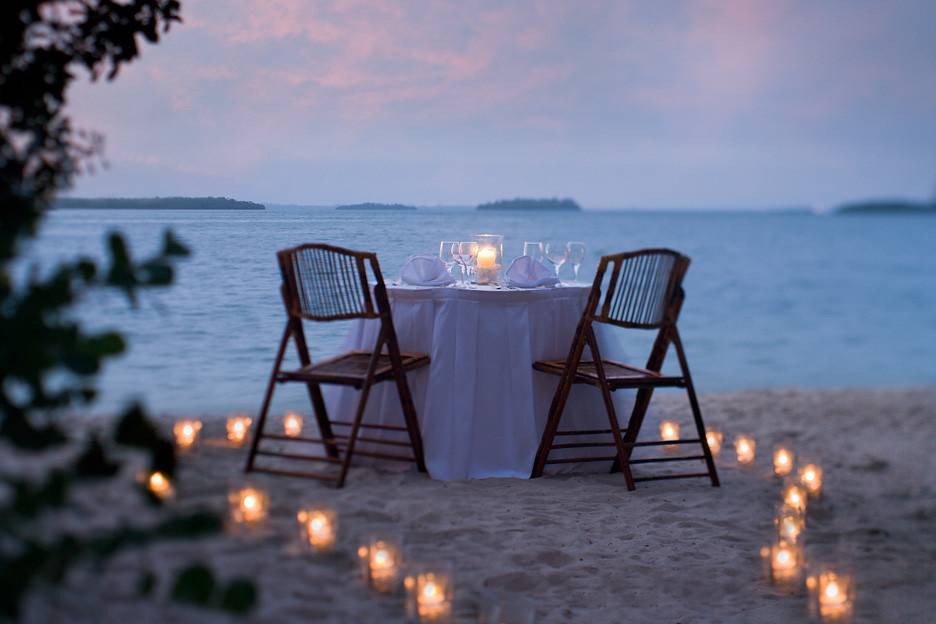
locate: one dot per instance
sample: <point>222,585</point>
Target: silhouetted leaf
<point>134,429</point>
<point>239,596</point>
<point>194,584</point>
<point>93,461</point>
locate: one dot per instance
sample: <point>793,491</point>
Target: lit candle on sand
<point>745,447</point>
<point>237,428</point>
<point>835,596</point>
<point>790,524</point>
<point>381,562</point>
<point>248,505</point>
<point>319,528</point>
<point>794,497</point>
<point>429,594</point>
<point>186,433</point>
<point>669,431</point>
<point>292,424</point>
<point>785,562</point>
<point>159,485</point>
<point>810,477</point>
<point>715,439</point>
<point>782,461</point>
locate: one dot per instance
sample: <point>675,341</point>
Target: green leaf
<point>194,584</point>
<point>240,596</point>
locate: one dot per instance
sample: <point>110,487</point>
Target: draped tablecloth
<point>481,406</point>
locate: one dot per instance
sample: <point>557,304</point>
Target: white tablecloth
<point>481,406</point>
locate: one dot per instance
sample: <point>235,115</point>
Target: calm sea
<point>773,300</point>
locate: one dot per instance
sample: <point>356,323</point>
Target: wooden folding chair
<point>644,291</point>
<point>324,283</point>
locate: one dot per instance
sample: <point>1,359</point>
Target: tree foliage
<point>48,362</point>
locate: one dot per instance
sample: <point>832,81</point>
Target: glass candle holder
<point>248,505</point>
<point>745,448</point>
<point>237,428</point>
<point>159,485</point>
<point>810,477</point>
<point>790,524</point>
<point>669,430</point>
<point>318,528</point>
<point>715,439</point>
<point>794,497</point>
<point>186,433</point>
<point>292,424</point>
<point>490,257</point>
<point>783,459</point>
<point>430,592</point>
<point>783,562</point>
<point>381,561</point>
<point>831,595</point>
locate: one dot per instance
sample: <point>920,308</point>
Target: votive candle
<point>794,497</point>
<point>237,428</point>
<point>786,561</point>
<point>715,439</point>
<point>186,433</point>
<point>381,563</point>
<point>790,523</point>
<point>810,477</point>
<point>745,448</point>
<point>782,461</point>
<point>159,485</point>
<point>429,594</point>
<point>318,528</point>
<point>834,593</point>
<point>292,424</point>
<point>248,505</point>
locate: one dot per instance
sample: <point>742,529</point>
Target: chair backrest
<point>326,283</point>
<point>643,288</point>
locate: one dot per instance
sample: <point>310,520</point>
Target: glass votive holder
<point>490,257</point>
<point>158,485</point>
<point>669,431</point>
<point>504,608</point>
<point>810,477</point>
<point>831,594</point>
<point>790,523</point>
<point>318,528</point>
<point>794,496</point>
<point>745,449</point>
<point>783,459</point>
<point>186,433</point>
<point>237,427</point>
<point>381,560</point>
<point>248,506</point>
<point>292,425</point>
<point>430,593</point>
<point>783,562</point>
<point>715,439</point>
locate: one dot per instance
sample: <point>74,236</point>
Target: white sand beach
<point>581,547</point>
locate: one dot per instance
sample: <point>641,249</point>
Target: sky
<point>706,103</point>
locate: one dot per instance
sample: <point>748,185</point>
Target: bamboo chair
<point>644,291</point>
<point>323,283</point>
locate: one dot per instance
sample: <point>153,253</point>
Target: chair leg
<point>609,408</point>
<point>267,398</point>
<point>355,428</point>
<point>412,421</point>
<point>696,410</point>
<point>634,423</point>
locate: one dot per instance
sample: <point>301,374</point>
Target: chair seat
<point>350,368</point>
<point>619,375</point>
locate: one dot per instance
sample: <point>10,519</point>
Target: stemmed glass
<point>557,254</point>
<point>534,249</point>
<point>447,252</point>
<point>575,256</point>
<point>467,252</point>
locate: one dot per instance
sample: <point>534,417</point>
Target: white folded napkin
<point>525,272</point>
<point>425,271</point>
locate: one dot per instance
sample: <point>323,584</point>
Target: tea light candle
<point>237,428</point>
<point>790,524</point>
<point>381,564</point>
<point>186,433</point>
<point>715,439</point>
<point>745,447</point>
<point>429,592</point>
<point>159,485</point>
<point>835,596</point>
<point>669,430</point>
<point>786,561</point>
<point>794,497</point>
<point>782,461</point>
<point>248,505</point>
<point>292,424</point>
<point>810,477</point>
<point>319,528</point>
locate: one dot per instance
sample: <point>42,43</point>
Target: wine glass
<point>447,252</point>
<point>575,256</point>
<point>467,252</point>
<point>557,253</point>
<point>534,249</point>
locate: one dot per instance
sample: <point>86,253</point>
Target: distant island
<point>521,203</point>
<point>156,203</point>
<point>373,206</point>
<point>885,207</point>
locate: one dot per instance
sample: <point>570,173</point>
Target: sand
<point>581,547</point>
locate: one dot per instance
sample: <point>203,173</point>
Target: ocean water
<point>773,300</point>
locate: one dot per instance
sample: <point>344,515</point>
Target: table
<point>482,408</point>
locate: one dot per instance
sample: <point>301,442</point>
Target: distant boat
<point>521,203</point>
<point>156,203</point>
<point>887,207</point>
<point>374,206</point>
